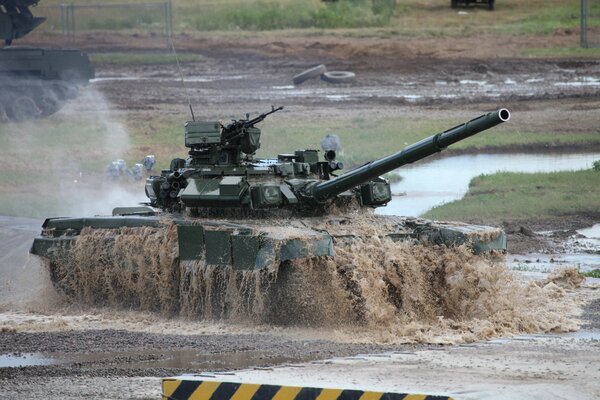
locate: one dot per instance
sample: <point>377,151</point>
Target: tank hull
<point>218,268</point>
<point>36,82</point>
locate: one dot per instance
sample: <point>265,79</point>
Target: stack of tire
<point>327,76</point>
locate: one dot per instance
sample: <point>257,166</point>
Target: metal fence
<point>590,23</point>
<point>73,18</point>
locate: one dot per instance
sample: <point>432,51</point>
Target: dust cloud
<point>94,193</point>
<point>49,172</point>
<point>56,166</point>
<point>374,290</point>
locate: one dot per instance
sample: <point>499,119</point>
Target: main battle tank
<point>35,82</point>
<point>222,213</point>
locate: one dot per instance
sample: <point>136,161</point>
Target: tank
<point>223,211</point>
<point>35,82</point>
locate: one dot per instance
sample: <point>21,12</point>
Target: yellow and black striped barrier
<point>188,389</point>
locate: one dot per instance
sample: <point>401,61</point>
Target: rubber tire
<point>48,105</point>
<point>338,76</point>
<point>3,116</point>
<point>454,3</point>
<point>310,73</point>
<point>23,108</point>
<point>491,5</point>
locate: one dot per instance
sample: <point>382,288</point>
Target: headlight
<point>266,196</point>
<point>375,193</point>
<point>272,194</point>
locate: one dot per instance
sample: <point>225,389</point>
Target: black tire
<point>338,76</point>
<point>313,72</point>
<point>491,5</point>
<point>454,3</point>
<point>3,116</point>
<point>23,108</point>
<point>48,104</point>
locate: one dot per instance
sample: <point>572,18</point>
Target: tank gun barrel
<point>414,152</point>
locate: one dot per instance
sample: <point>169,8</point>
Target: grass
<point>521,196</point>
<point>142,58</point>
<point>567,52</point>
<point>595,273</point>
<point>426,18</point>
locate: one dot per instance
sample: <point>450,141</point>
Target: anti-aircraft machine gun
<point>35,82</point>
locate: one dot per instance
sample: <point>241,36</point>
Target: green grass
<point>567,52</point>
<point>595,273</point>
<point>520,196</point>
<point>143,58</point>
<point>425,18</point>
<point>548,19</point>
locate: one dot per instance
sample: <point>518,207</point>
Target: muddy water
<point>188,359</point>
<point>582,252</point>
<point>429,184</point>
<point>374,290</point>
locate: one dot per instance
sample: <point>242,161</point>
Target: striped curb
<point>181,389</point>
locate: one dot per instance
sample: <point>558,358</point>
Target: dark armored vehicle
<point>222,210</point>
<point>490,4</point>
<point>35,82</point>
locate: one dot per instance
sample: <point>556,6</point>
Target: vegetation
<point>520,196</point>
<point>143,58</point>
<point>595,273</point>
<point>430,18</point>
<point>567,52</point>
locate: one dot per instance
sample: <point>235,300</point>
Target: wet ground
<point>214,82</point>
<point>49,350</point>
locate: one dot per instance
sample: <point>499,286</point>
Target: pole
<point>583,25</point>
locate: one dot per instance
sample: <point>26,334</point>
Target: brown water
<point>188,358</point>
<point>374,290</point>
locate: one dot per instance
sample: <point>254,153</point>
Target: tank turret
<point>222,173</point>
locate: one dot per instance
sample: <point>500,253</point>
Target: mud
<point>373,290</point>
<point>213,82</point>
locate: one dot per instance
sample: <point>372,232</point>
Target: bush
<point>596,165</point>
<point>595,273</point>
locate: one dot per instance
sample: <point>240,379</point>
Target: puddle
<point>185,359</point>
<point>117,78</point>
<point>429,184</point>
<point>473,82</point>
<point>591,233</point>
<point>584,81</point>
<point>337,97</point>
<point>584,335</point>
<point>209,78</point>
<point>547,263</point>
<point>24,360</point>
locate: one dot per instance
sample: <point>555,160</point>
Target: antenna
<point>185,89</point>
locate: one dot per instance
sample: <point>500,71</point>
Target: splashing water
<point>373,290</point>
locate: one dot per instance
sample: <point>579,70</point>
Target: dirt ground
<point>48,350</point>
